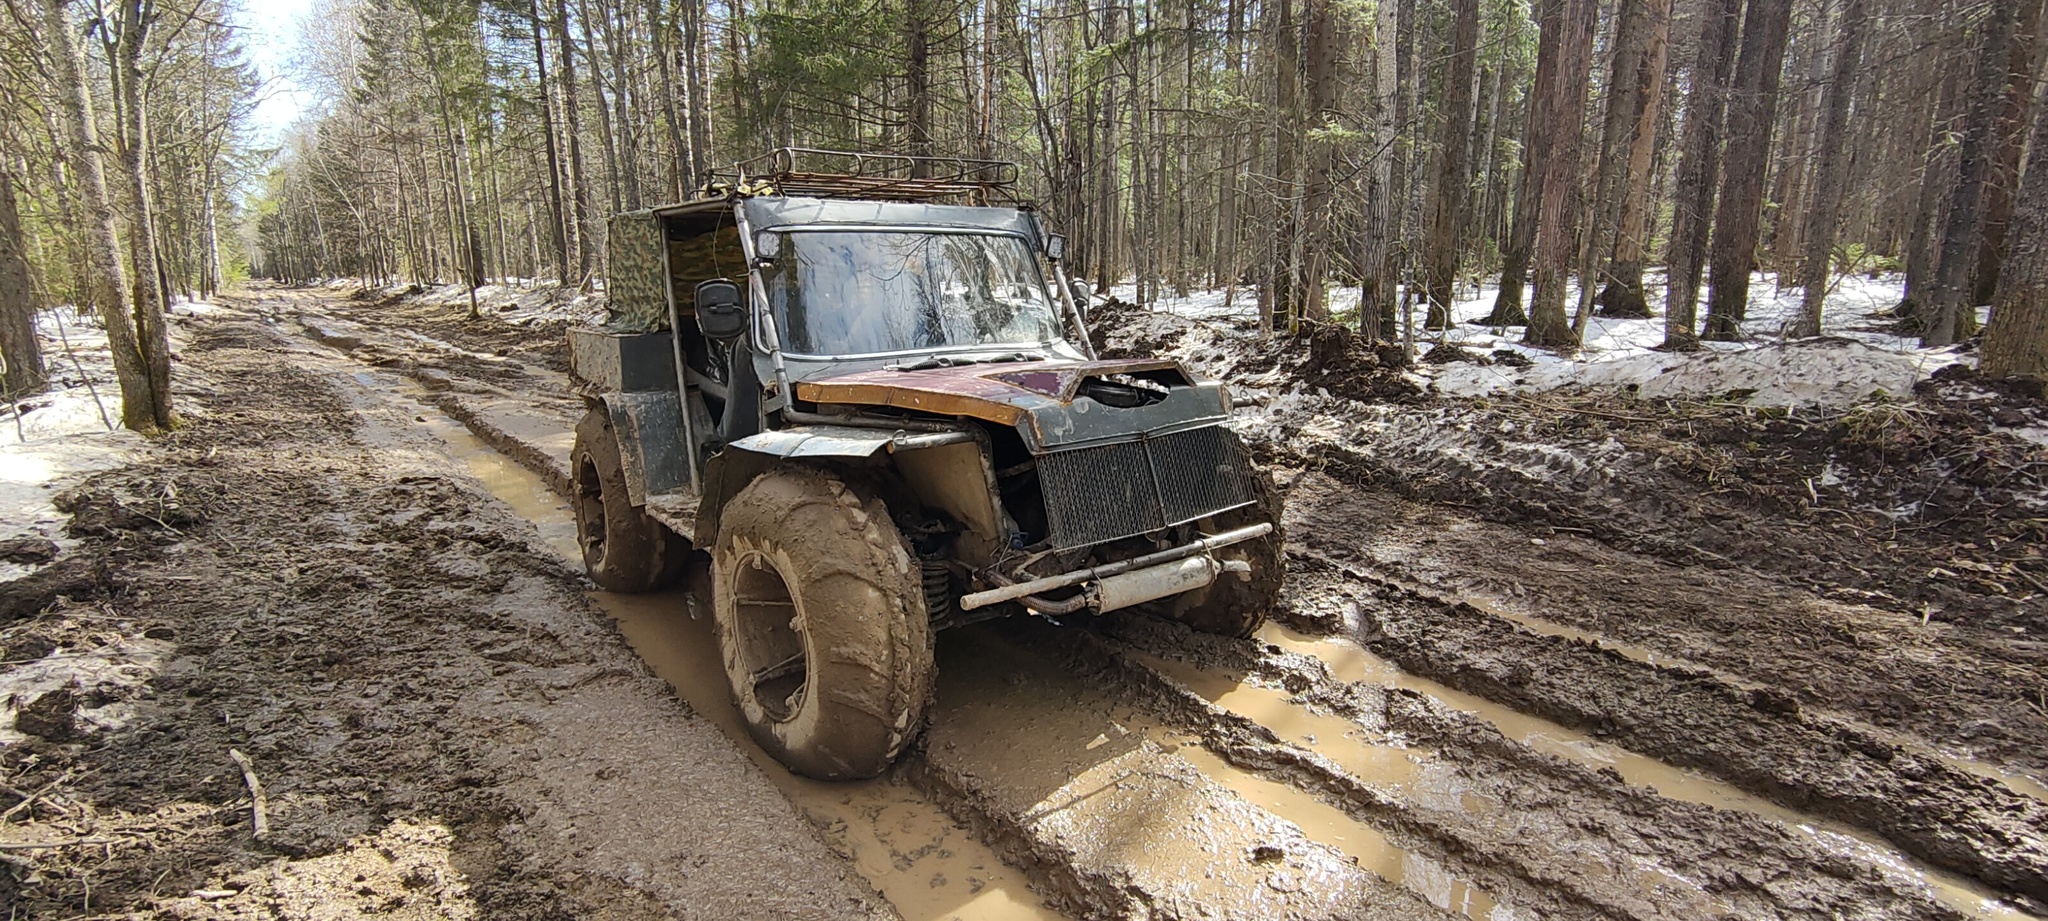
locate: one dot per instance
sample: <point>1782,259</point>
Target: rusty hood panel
<point>1003,393</point>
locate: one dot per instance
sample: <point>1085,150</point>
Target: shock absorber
<point>938,590</point>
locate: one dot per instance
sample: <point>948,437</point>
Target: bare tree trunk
<point>1752,110</point>
<point>1623,296</point>
<point>1376,278</point>
<point>1322,83</point>
<point>108,281</point>
<point>2016,339</point>
<point>1937,180</point>
<point>1447,195</point>
<point>1952,316</point>
<point>21,357</point>
<point>1283,269</point>
<point>1698,171</point>
<point>1521,242</point>
<point>1403,152</point>
<point>1625,98</point>
<point>558,204</point>
<point>2009,138</point>
<point>152,337</point>
<point>1559,122</point>
<point>918,73</point>
<point>580,204</point>
<point>1833,168</point>
<point>699,96</point>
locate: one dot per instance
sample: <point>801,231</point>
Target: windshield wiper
<point>953,361</point>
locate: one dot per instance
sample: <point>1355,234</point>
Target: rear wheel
<point>624,549</point>
<point>1232,605</point>
<point>822,624</point>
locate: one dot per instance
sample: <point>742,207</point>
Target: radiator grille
<point>1099,494</point>
<point>1200,472</point>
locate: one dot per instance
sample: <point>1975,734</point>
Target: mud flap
<point>650,433</point>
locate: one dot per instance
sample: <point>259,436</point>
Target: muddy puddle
<point>1011,686</point>
<point>1347,661</point>
<point>2018,783</point>
<point>925,864</point>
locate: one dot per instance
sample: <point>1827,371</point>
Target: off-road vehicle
<point>871,407</point>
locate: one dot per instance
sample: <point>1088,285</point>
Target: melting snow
<point>1857,357</point>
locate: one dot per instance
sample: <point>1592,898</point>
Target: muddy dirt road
<point>353,569</point>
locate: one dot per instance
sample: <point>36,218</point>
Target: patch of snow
<point>126,662</point>
<point>1817,372</point>
<point>196,308</point>
<point>2037,434</point>
<point>1858,355</point>
<point>52,439</point>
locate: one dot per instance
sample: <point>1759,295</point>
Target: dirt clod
<point>53,716</point>
<point>28,550</point>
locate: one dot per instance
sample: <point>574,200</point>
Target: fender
<point>730,470</point>
<point>649,428</point>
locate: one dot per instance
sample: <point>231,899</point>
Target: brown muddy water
<point>1347,661</point>
<point>1498,607</point>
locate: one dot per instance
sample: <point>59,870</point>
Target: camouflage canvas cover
<point>638,296</point>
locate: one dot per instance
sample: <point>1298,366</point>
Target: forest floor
<point>1559,653</point>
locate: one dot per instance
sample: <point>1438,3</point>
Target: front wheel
<point>820,614</point>
<point>1231,605</point>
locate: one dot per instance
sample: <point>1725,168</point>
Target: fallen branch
<point>29,799</point>
<point>261,806</point>
<point>40,845</point>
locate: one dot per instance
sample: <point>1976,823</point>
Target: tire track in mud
<point>1540,831</point>
<point>387,647</point>
<point>1945,685</point>
<point>1757,739</point>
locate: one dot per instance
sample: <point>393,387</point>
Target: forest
<point>1605,158</point>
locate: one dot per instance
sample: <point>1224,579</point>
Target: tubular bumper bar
<point>1023,590</point>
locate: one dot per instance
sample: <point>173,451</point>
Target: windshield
<point>866,292</point>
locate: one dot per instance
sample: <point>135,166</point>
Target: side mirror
<point>1080,291</point>
<point>721,312</point>
<point>1055,247</point>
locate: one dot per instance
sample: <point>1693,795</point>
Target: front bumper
<point>1127,582</point>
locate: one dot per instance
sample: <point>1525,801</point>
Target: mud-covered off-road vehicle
<point>881,415</point>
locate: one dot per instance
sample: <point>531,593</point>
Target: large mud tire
<point>624,549</point>
<point>821,622</point>
<point>1231,606</point>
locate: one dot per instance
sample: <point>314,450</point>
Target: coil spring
<point>938,589</point>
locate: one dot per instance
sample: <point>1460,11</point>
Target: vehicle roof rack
<point>874,177</point>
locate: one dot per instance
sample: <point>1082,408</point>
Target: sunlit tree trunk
<point>21,357</point>
<point>2016,339</point>
<point>1698,172</point>
<point>1832,167</point>
<point>107,282</point>
<point>1558,122</point>
<point>1752,111</point>
<point>1951,315</point>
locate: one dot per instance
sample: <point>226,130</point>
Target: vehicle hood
<point>1041,398</point>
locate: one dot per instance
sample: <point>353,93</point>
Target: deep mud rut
<point>1451,717</point>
